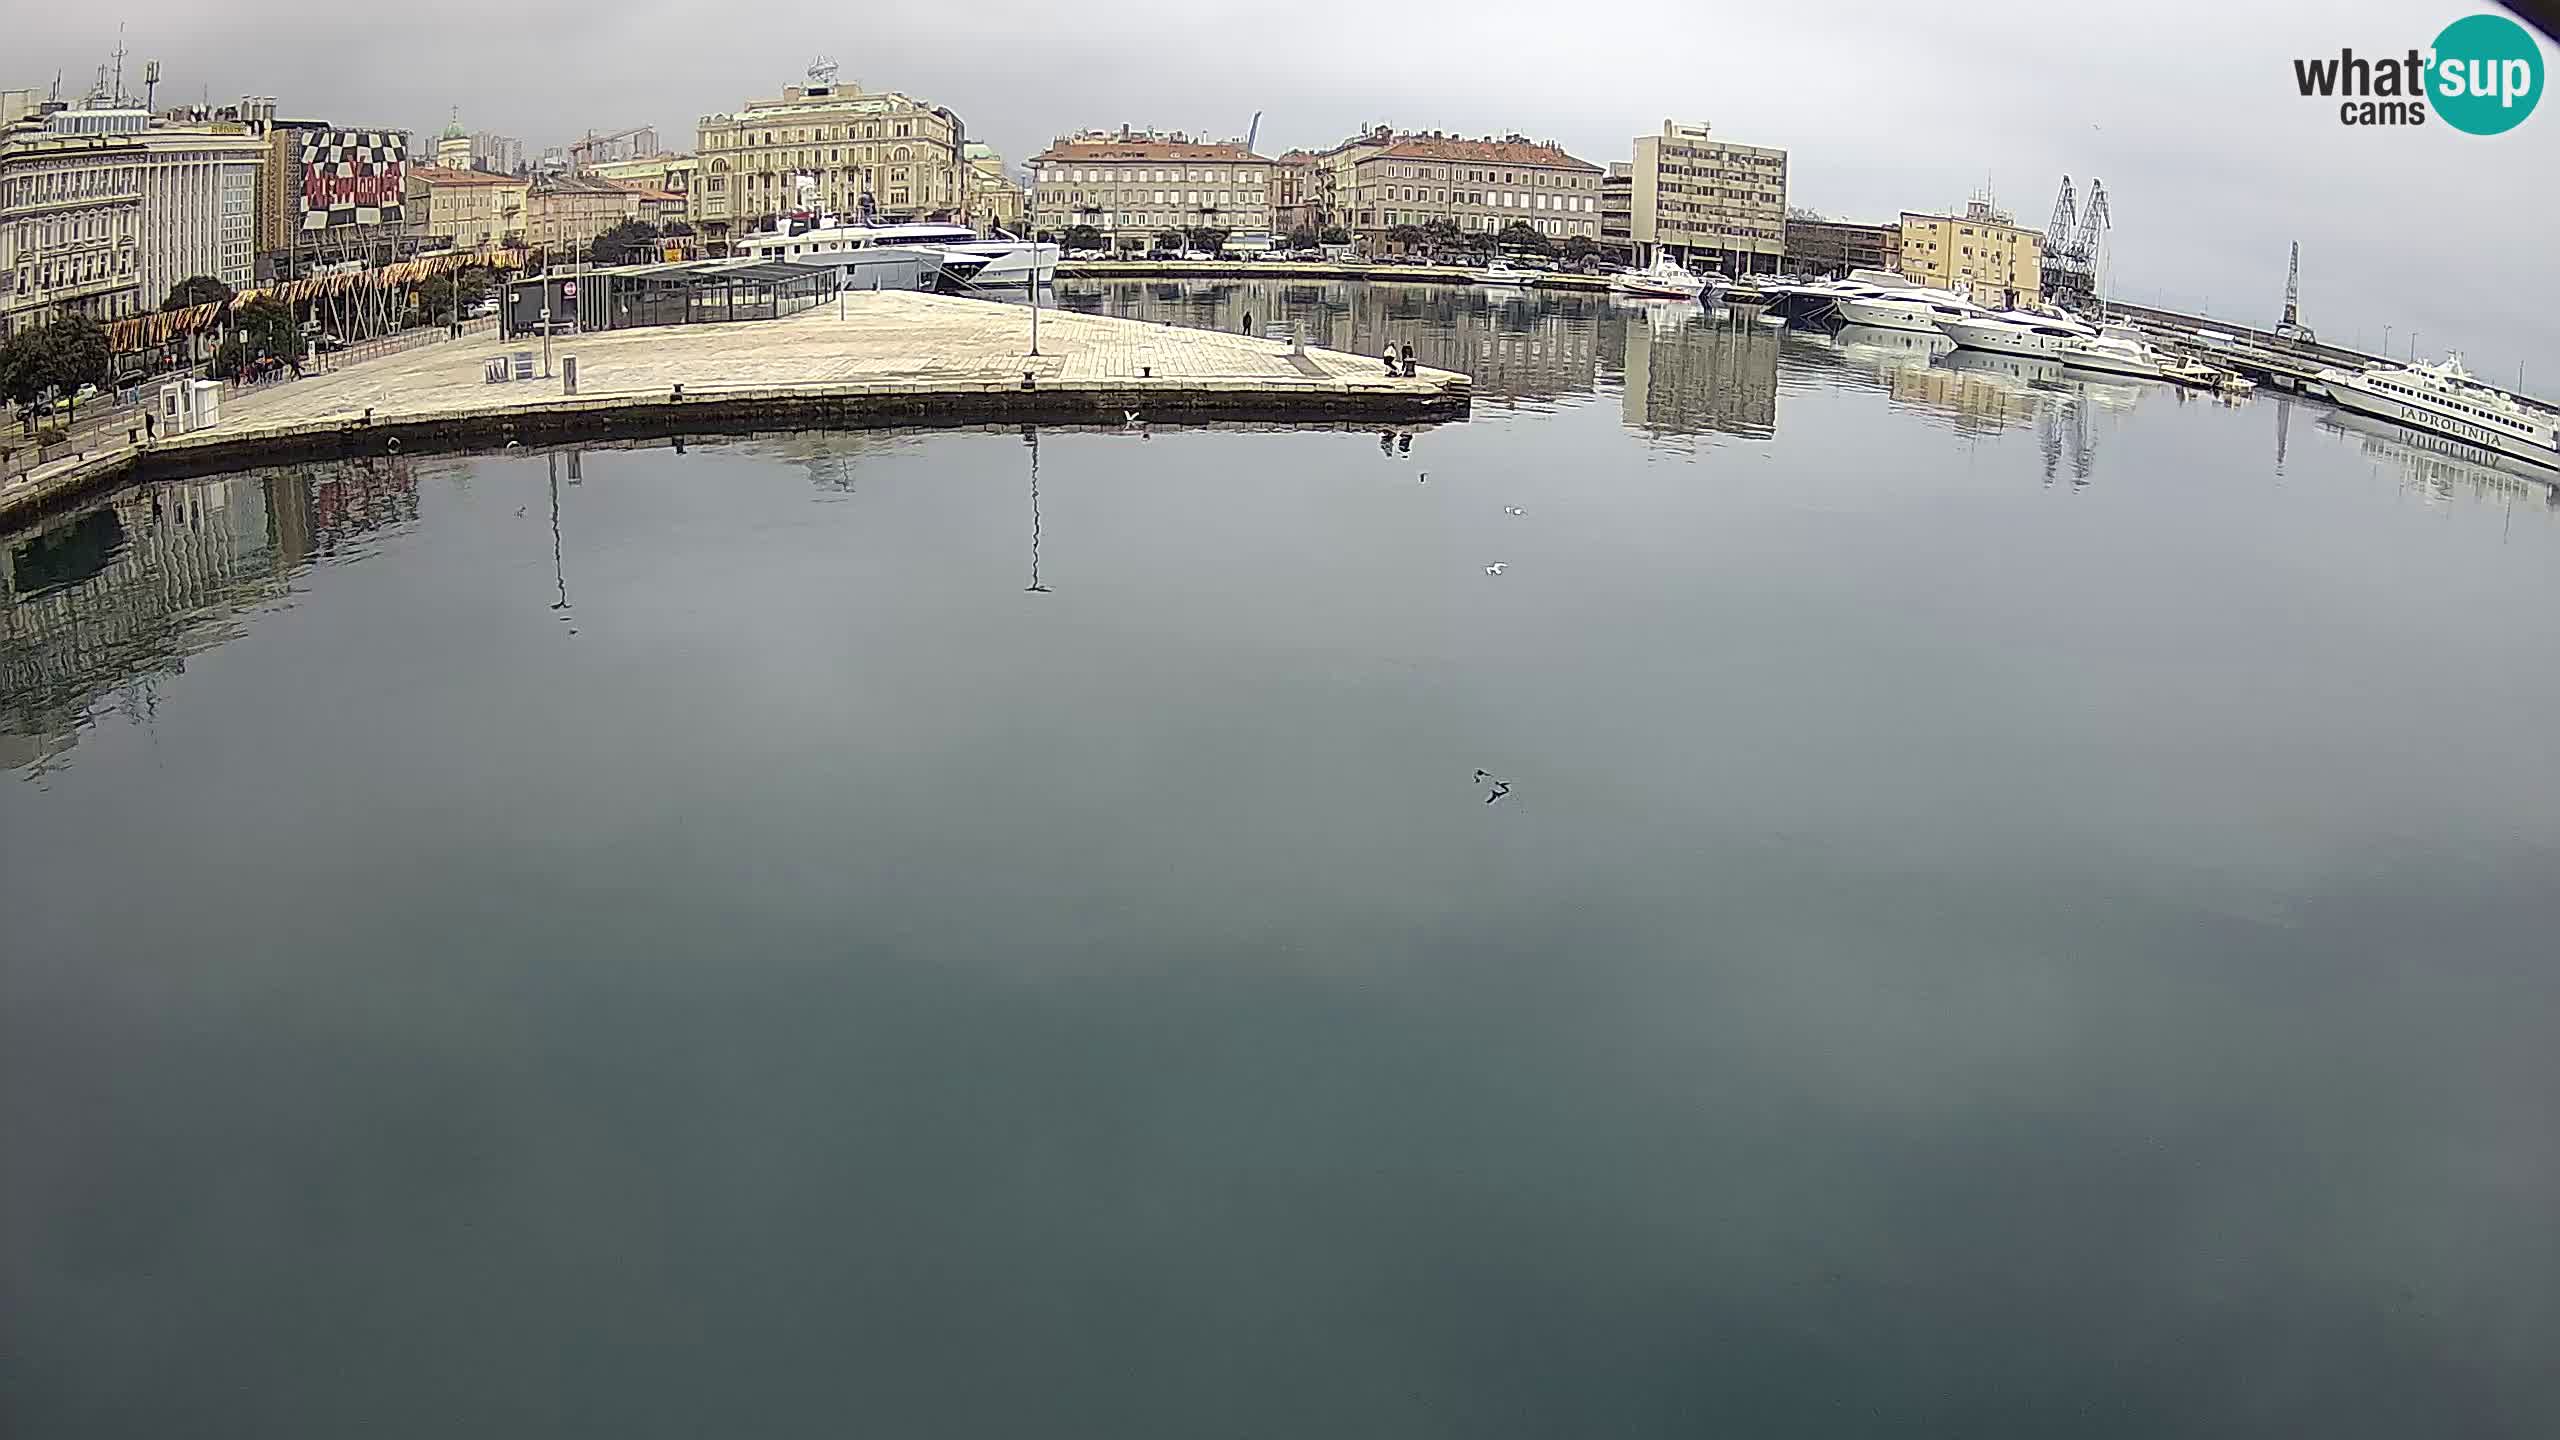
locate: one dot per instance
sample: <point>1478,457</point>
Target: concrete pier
<point>890,358</point>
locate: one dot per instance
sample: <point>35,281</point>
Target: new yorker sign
<point>2482,76</point>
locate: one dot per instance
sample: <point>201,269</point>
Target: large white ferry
<point>2445,400</point>
<point>997,264</point>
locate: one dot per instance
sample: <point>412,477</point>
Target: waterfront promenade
<point>888,358</point>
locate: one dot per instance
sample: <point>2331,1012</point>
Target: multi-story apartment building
<point>471,208</point>
<point>1294,205</point>
<point>103,211</point>
<point>71,216</point>
<point>1483,186</point>
<point>1982,251</point>
<point>881,151</point>
<point>565,213</point>
<point>199,207</point>
<point>1816,246</point>
<point>1703,200</point>
<point>678,175</point>
<point>1130,185</point>
<point>1618,211</point>
<point>995,201</point>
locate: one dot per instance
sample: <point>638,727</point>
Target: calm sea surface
<point>2025,905</point>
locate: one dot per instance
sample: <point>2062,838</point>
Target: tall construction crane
<point>2291,326</point>
<point>582,153</point>
<point>1252,130</point>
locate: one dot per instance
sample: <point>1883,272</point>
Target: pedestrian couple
<point>1389,356</point>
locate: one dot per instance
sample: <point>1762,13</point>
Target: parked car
<point>1198,255</point>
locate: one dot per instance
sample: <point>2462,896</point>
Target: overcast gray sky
<point>2187,110</point>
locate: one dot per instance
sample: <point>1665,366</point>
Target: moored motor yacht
<point>1503,272</point>
<point>1665,279</point>
<point>1909,309</point>
<point>2031,333</point>
<point>999,263</point>
<point>2118,350</point>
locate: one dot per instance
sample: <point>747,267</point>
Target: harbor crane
<point>1251,131</point>
<point>2291,328</point>
<point>2075,246</point>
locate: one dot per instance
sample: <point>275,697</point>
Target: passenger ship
<point>2445,400</point>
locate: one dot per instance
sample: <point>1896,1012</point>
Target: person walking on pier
<point>1390,357</point>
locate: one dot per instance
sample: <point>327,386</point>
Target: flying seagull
<point>1483,775</point>
<point>1130,419</point>
<point>1500,789</point>
<point>1513,510</point>
<point>1497,567</point>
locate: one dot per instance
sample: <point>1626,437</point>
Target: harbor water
<point>1764,883</point>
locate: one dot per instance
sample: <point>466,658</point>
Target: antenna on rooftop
<point>822,71</point>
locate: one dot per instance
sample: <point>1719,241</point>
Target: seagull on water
<point>1513,510</point>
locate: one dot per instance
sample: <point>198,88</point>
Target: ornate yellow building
<point>832,146</point>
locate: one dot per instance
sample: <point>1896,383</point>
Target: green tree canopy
<point>626,242</point>
<point>196,290</point>
<point>1521,236</point>
<point>263,327</point>
<point>1334,235</point>
<point>438,295</point>
<point>1208,238</point>
<point>1407,235</point>
<point>1303,238</point>
<point>1578,248</point>
<point>58,357</point>
<point>1083,237</point>
<point>1168,239</point>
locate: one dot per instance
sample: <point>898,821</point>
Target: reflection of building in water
<point>1699,374</point>
<point>1515,345</point>
<point>2439,469</point>
<point>353,498</point>
<point>98,606</point>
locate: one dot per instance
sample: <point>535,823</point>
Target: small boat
<point>1665,279</point>
<point>1503,272</point>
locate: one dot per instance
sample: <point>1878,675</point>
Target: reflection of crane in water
<point>2284,424</point>
<point>1031,442</point>
<point>2084,450</point>
<point>2049,436</point>
<point>559,573</point>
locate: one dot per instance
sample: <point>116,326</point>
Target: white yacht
<point>2445,400</point>
<point>1665,279</point>
<point>1911,309</point>
<point>2119,350</point>
<point>1000,263</point>
<point>2034,334</point>
<point>1503,272</point>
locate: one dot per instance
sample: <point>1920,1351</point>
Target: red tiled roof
<point>1483,152</point>
<point>1090,150</point>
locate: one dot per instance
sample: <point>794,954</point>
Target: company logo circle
<point>2487,75</point>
